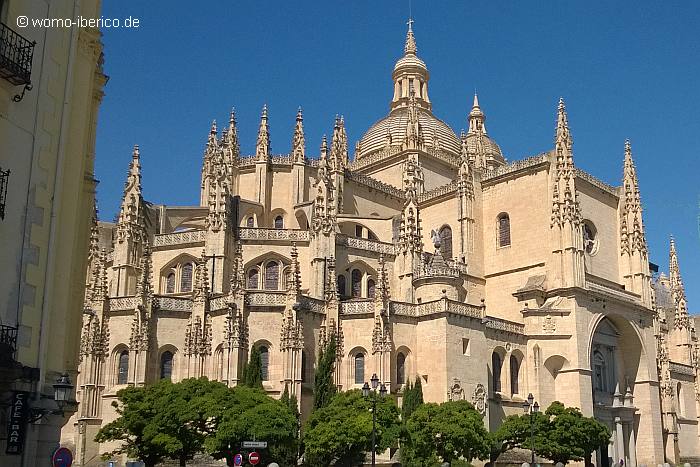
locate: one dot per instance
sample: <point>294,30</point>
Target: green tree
<point>445,432</point>
<point>342,430</point>
<point>413,397</point>
<point>164,420</point>
<point>562,434</point>
<point>247,413</point>
<point>253,370</point>
<point>324,387</point>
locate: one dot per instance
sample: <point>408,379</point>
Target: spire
<point>477,119</point>
<point>130,221</point>
<point>232,136</point>
<point>298,141</point>
<point>410,46</point>
<point>631,225</point>
<point>565,207</point>
<point>324,210</point>
<point>262,148</point>
<point>339,146</point>
<point>677,289</point>
<point>344,140</point>
<point>563,140</point>
<point>212,142</point>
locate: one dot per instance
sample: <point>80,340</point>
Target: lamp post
<point>532,407</point>
<point>366,392</point>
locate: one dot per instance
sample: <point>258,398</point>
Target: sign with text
<point>17,422</point>
<point>254,444</point>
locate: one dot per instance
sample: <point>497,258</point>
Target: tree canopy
<point>444,432</point>
<point>562,434</point>
<point>342,430</point>
<point>412,398</point>
<point>252,372</point>
<point>324,387</point>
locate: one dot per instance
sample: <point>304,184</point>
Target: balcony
<point>8,341</point>
<point>16,55</point>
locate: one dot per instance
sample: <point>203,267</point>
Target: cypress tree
<point>253,371</point>
<point>413,397</point>
<point>324,388</point>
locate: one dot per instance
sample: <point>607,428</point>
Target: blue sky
<point>625,69</point>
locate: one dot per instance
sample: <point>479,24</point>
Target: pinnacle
<point>232,117</point>
<point>213,130</point>
<point>476,100</point>
<point>264,112</point>
<point>410,48</point>
<point>300,116</point>
<point>136,154</point>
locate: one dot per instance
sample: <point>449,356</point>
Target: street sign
<point>238,459</point>
<point>254,458</point>
<point>63,457</point>
<point>254,444</point>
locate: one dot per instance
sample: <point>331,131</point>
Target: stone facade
<point>51,83</point>
<point>427,256</point>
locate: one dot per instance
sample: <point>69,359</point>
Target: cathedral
<point>425,255</point>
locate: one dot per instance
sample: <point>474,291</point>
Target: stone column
<point>619,441</point>
<point>632,446</point>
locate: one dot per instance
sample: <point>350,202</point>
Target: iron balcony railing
<point>16,55</point>
<point>8,340</point>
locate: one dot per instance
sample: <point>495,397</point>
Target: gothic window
<point>279,222</point>
<point>446,241</point>
<point>123,367</point>
<point>186,279</point>
<point>272,276</point>
<point>370,288</point>
<point>356,283</point>
<point>264,362</point>
<point>599,372</point>
<point>514,374</point>
<point>341,285</point>
<point>503,230</point>
<point>359,368</point>
<point>166,365</point>
<point>401,368</point>
<point>253,278</point>
<point>170,283</point>
<point>589,237</point>
<point>496,364</point>
<point>250,222</point>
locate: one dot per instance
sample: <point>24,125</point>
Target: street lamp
<point>532,407</point>
<point>366,392</point>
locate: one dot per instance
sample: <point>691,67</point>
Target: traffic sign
<point>238,459</point>
<point>62,457</point>
<point>254,458</point>
<point>254,444</point>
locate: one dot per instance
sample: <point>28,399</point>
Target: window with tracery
<point>123,367</point>
<point>272,276</point>
<point>503,230</point>
<point>186,279</point>
<point>356,283</point>
<point>279,222</point>
<point>166,365</point>
<point>359,368</point>
<point>252,282</point>
<point>446,242</point>
<point>170,283</point>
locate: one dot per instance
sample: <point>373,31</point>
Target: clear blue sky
<point>625,69</point>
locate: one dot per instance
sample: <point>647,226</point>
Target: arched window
<point>250,222</point>
<point>186,279</point>
<point>514,374</point>
<point>341,285</point>
<point>123,367</point>
<point>600,382</point>
<point>446,242</point>
<point>356,283</point>
<point>279,222</point>
<point>679,398</point>
<point>166,365</point>
<point>303,367</point>
<point>503,230</point>
<point>496,364</point>
<point>370,288</point>
<point>253,278</point>
<point>272,276</point>
<point>401,368</point>
<point>264,362</point>
<point>358,231</point>
<point>170,283</point>
<point>359,368</point>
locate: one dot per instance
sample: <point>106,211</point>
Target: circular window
<point>590,238</point>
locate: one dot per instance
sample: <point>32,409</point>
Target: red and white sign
<point>254,458</point>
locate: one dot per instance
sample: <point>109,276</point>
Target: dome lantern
<point>410,75</point>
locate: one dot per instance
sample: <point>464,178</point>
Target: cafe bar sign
<point>17,422</point>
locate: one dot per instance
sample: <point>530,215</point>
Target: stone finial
<point>262,147</point>
<point>682,318</point>
<point>477,119</point>
<point>410,47</point>
<point>298,140</point>
<point>232,135</point>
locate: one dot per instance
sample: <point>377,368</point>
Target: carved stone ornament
<point>479,398</point>
<point>456,392</point>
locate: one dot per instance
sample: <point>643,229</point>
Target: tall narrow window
<point>370,288</point>
<point>359,368</point>
<point>514,374</point>
<point>166,365</point>
<point>341,286</point>
<point>272,276</point>
<point>123,367</point>
<point>253,278</point>
<point>250,222</point>
<point>279,222</point>
<point>496,364</point>
<point>186,280</point>
<point>446,242</point>
<point>503,230</point>
<point>358,231</point>
<point>356,283</point>
<point>170,283</point>
<point>264,362</point>
<point>401,368</point>
<point>599,372</point>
